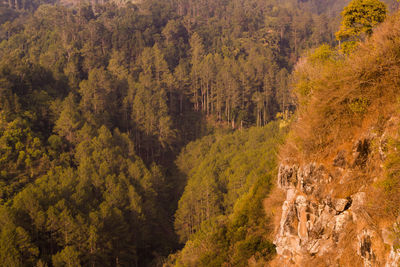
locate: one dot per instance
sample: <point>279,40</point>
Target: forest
<point>146,133</point>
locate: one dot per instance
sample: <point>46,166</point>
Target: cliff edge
<point>339,167</point>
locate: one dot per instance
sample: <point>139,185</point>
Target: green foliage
<point>98,213</point>
<point>67,257</point>
<point>322,54</point>
<point>359,105</point>
<point>97,100</point>
<point>16,248</point>
<point>360,17</point>
<point>308,71</point>
<point>391,183</point>
<point>339,96</point>
<point>21,157</point>
<point>238,168</point>
<point>348,47</point>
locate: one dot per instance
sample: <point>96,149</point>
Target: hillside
<point>151,133</point>
<point>339,166</point>
<point>100,104</point>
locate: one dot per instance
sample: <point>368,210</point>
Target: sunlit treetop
<point>360,17</point>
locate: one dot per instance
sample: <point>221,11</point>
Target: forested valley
<point>146,133</point>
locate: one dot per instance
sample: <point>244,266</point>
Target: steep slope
<point>96,102</point>
<point>339,167</point>
<point>220,216</point>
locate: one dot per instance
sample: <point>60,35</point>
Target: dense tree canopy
<point>235,174</point>
<point>97,101</point>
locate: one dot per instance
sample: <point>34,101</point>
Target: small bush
<point>359,105</point>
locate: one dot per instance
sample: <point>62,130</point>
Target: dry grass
<point>329,121</point>
<point>273,208</point>
<point>371,74</point>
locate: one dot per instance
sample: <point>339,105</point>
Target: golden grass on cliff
<point>350,99</point>
<point>347,95</point>
<point>273,208</point>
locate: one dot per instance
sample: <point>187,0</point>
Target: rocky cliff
<point>340,166</point>
<point>319,228</point>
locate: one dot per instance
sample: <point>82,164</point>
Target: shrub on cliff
<point>338,94</point>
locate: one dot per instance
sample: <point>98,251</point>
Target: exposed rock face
<point>360,152</point>
<point>390,238</point>
<point>394,258</point>
<point>319,223</point>
<point>316,225</point>
<point>365,247</point>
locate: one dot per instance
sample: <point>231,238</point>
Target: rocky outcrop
<point>309,226</point>
<point>391,238</point>
<point>314,224</point>
<point>394,258</point>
